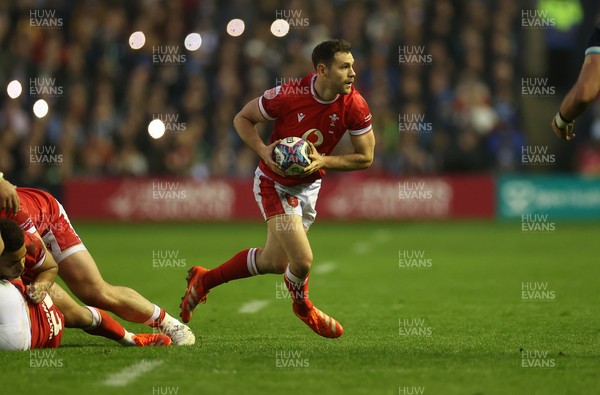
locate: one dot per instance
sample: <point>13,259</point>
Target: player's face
<point>341,74</point>
<point>12,263</point>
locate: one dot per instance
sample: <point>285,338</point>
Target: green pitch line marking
<point>130,373</point>
<point>253,306</point>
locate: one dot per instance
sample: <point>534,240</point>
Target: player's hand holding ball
<point>562,128</point>
<point>267,156</point>
<point>36,293</point>
<point>317,160</point>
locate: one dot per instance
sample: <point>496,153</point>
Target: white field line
<point>130,373</point>
<point>325,267</point>
<point>253,306</point>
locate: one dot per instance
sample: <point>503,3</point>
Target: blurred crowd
<point>441,78</point>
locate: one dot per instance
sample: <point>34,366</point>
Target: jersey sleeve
<point>593,46</point>
<point>24,221</point>
<point>36,253</point>
<point>271,103</point>
<point>360,117</point>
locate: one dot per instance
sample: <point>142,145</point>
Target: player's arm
<point>8,196</point>
<point>43,276</point>
<point>245,124</point>
<point>579,98</point>
<point>360,159</point>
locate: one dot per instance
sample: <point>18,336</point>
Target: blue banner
<point>554,196</point>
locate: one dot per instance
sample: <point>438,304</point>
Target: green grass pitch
<point>488,310</point>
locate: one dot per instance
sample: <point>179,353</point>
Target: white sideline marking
<point>130,373</point>
<point>382,236</point>
<point>361,247</point>
<point>253,306</point>
<point>324,267</point>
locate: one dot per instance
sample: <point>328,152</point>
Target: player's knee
<point>301,265</point>
<point>279,266</point>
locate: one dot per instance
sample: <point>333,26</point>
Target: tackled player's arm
<point>579,98</point>
<point>245,124</point>
<point>360,159</point>
<point>8,195</point>
<point>44,275</point>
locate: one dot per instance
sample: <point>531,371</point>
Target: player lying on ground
<point>583,93</point>
<point>42,215</point>
<point>320,109</point>
<point>20,261</point>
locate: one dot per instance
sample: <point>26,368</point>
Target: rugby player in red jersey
<point>41,311</point>
<point>320,109</point>
<point>40,213</point>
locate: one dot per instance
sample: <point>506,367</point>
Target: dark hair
<point>324,52</point>
<point>12,235</point>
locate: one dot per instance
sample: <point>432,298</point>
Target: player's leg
<point>98,323</point>
<point>247,263</point>
<point>294,241</point>
<point>272,258</point>
<point>80,272</point>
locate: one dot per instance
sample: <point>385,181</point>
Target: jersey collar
<point>314,93</point>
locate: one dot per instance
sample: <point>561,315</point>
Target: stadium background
<point>473,122</point>
<point>469,92</point>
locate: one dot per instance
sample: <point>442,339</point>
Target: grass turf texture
<point>470,299</point>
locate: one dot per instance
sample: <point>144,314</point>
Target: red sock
<point>107,327</point>
<point>241,265</point>
<point>298,288</point>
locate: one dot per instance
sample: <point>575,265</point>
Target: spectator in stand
<point>110,91</point>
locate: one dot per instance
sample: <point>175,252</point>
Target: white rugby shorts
<point>276,199</point>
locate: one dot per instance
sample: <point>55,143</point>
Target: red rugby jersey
<point>298,112</point>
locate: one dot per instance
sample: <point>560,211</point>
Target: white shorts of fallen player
<point>15,328</point>
<point>275,199</point>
